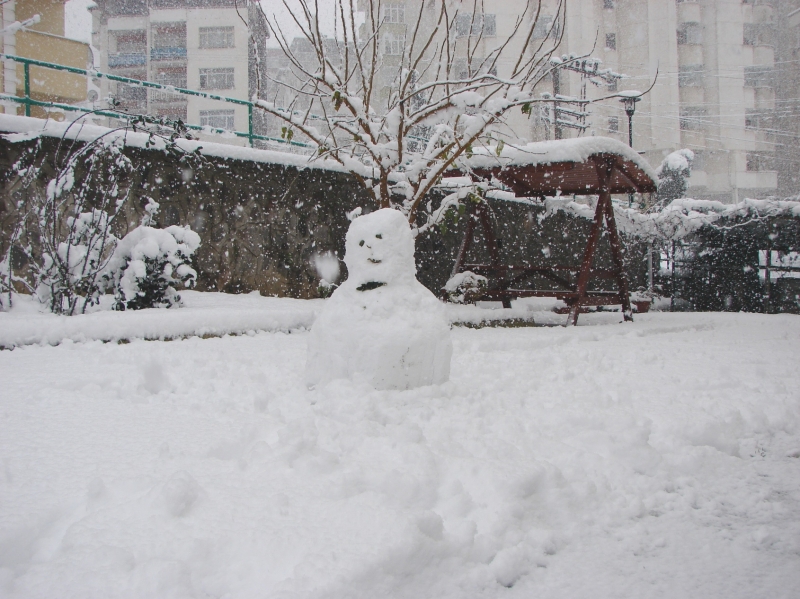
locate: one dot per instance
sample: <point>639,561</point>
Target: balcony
<point>165,97</point>
<point>168,53</point>
<point>130,59</point>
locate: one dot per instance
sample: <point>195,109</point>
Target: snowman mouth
<point>373,260</point>
<point>369,286</point>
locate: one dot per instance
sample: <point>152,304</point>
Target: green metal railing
<point>27,101</point>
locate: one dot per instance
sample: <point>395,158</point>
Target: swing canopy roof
<point>566,166</point>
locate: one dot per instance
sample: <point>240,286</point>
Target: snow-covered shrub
<point>673,176</point>
<point>75,222</point>
<point>148,264</point>
<point>70,270</point>
<point>465,287</point>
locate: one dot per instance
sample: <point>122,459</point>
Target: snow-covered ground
<point>659,458</point>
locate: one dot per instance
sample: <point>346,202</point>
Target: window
<point>216,78</point>
<point>394,44</point>
<point>699,162</point>
<point>758,34</point>
<point>544,27</point>
<point>394,13</point>
<point>760,161</point>
<point>692,118</point>
<point>690,33</point>
<point>482,24</point>
<point>608,3</point>
<point>169,35</point>
<point>169,41</point>
<point>750,34</point>
<point>758,76</point>
<point>690,75</point>
<point>216,37</point>
<point>174,112</point>
<point>176,77</point>
<point>133,93</point>
<point>611,41</point>
<point>217,119</point>
<point>613,124</point>
<point>130,42</point>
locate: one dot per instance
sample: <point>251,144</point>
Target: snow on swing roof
<point>565,166</point>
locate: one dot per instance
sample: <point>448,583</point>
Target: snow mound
<point>381,324</point>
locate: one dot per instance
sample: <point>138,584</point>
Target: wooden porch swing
<point>594,166</point>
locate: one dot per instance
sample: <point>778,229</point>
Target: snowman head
<point>379,250</point>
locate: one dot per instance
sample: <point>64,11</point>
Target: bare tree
<point>397,110</point>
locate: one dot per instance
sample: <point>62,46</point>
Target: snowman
<point>381,325</point>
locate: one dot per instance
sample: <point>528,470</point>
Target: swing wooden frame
<point>601,174</point>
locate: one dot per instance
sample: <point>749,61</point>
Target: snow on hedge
<point>680,217</point>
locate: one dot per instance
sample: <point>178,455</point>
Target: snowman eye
<point>361,243</point>
<point>379,235</point>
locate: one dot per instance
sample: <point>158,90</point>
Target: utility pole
<point>558,131</point>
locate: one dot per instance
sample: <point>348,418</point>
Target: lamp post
<point>629,102</point>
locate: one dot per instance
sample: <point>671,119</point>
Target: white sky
<point>79,20</point>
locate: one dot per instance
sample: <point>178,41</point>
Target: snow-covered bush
<point>70,269</point>
<point>149,264</point>
<point>673,176</point>
<point>465,287</point>
<point>74,224</point>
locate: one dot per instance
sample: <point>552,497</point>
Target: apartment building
<point>43,41</point>
<point>721,88</point>
<point>196,44</point>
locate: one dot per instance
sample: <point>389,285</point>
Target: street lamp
<point>629,102</point>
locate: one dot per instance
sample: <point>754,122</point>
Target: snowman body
<point>381,325</point>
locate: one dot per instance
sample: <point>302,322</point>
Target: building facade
<point>193,44</point>
<point>720,86</point>
<point>43,41</point>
